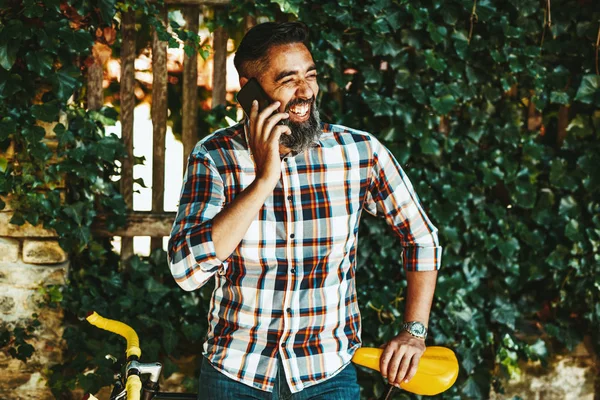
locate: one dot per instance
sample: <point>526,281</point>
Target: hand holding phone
<point>253,91</point>
<point>265,130</point>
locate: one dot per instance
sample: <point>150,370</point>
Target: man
<point>271,210</point>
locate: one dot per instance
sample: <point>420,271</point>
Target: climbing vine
<point>492,108</point>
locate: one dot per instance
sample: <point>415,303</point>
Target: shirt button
<point>289,197</point>
<point>292,235</point>
<point>283,345</point>
<point>293,270</point>
<point>289,310</point>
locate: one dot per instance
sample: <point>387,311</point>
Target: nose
<point>304,90</point>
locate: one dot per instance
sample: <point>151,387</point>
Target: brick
<point>25,230</point>
<point>15,304</point>
<point>28,276</point>
<point>43,252</point>
<point>9,250</point>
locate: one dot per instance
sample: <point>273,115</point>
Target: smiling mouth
<point>300,110</point>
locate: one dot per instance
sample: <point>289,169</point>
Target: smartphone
<point>250,92</point>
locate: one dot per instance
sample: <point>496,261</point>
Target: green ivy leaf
<point>471,389</point>
<point>169,368</point>
<point>17,219</point>
<point>537,351</point>
<point>39,62</point>
<point>588,89</point>
<point>8,52</point>
<point>382,46</point>
<point>436,63</point>
<point>505,313</point>
<point>430,146</point>
<point>47,112</point>
<point>573,231</point>
<point>509,247</point>
<point>170,338</point>
<point>78,41</point>
<point>559,97</point>
<point>3,164</point>
<point>107,10</point>
<point>65,81</point>
<point>288,6</point>
<point>443,105</point>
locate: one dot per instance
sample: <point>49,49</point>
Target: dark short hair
<point>250,56</point>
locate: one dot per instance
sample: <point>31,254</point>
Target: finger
<point>272,122</point>
<point>414,365</point>
<point>278,131</point>
<point>264,114</point>
<point>395,364</point>
<point>403,367</point>
<point>384,361</point>
<point>253,115</point>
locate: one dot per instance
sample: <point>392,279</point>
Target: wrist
<point>264,184</point>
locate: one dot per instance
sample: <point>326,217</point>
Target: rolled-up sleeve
<point>392,195</point>
<point>192,257</point>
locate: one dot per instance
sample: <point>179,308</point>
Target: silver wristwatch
<point>416,329</point>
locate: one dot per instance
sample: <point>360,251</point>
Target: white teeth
<point>300,110</point>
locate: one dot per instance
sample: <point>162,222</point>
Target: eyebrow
<point>284,74</point>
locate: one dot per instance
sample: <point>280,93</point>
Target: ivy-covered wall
<point>492,108</point>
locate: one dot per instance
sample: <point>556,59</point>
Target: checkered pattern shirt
<point>288,289</point>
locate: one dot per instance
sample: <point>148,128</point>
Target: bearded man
<point>271,209</point>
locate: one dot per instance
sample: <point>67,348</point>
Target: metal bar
<point>127,106</point>
<point>159,123</point>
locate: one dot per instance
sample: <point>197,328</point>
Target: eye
<point>313,76</point>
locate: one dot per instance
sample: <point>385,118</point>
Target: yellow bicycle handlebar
<point>133,342</point>
<point>437,372</point>
<point>133,387</point>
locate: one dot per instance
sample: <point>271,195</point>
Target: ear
<point>243,81</point>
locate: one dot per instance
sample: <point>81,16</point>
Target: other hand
<point>264,140</point>
<point>400,358</point>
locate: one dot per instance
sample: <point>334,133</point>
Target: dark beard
<point>304,133</point>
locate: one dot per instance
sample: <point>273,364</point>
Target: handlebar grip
<point>437,371</point>
<point>133,342</point>
<point>133,387</point>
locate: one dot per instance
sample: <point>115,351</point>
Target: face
<point>291,79</point>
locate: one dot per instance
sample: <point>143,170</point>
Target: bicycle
<point>437,372</point>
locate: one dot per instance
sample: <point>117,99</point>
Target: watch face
<point>418,328</point>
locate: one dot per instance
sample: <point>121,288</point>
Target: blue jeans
<point>216,386</point>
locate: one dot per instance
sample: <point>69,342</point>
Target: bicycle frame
<point>437,372</point>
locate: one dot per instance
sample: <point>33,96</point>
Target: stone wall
<point>30,259</point>
<point>568,376</point>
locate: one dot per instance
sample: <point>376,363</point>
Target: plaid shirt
<point>289,287</point>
